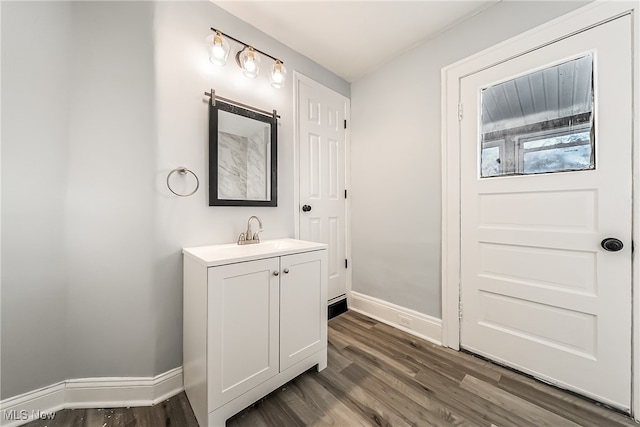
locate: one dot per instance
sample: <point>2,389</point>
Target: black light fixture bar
<point>246,45</point>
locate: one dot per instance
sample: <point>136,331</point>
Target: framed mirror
<point>242,156</point>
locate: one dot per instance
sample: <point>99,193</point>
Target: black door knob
<point>306,208</point>
<point>612,245</point>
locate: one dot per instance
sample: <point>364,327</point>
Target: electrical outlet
<point>404,321</point>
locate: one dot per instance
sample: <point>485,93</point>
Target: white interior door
<point>538,291</point>
<point>322,139</point>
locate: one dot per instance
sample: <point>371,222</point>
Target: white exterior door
<point>545,177</point>
<point>322,159</point>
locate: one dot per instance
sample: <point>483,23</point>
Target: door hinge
<point>345,123</point>
<point>459,111</point>
<point>460,310</point>
<point>346,263</point>
<point>345,194</point>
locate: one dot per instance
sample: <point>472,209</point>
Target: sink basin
<point>232,252</point>
<point>269,245</point>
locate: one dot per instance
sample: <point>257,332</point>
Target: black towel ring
<point>183,171</point>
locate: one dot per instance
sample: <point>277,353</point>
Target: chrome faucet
<point>248,238</point>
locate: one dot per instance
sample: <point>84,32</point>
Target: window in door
<point>540,122</point>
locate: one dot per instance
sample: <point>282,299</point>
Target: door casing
<point>580,20</point>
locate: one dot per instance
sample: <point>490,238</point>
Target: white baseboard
<point>26,407</point>
<point>90,393</point>
<point>413,322</point>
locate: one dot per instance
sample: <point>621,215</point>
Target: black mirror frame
<point>213,155</point>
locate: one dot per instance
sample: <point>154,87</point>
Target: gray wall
<point>35,163</point>
<point>100,100</point>
<point>396,117</point>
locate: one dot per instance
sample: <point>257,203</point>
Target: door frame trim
<point>301,78</point>
<point>594,14</point>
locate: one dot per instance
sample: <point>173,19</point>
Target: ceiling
<point>352,38</point>
<point>562,91</point>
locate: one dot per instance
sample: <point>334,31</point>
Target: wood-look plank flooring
<point>380,376</point>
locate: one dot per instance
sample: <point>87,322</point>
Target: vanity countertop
<point>229,253</point>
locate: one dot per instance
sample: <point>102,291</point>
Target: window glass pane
<point>491,161</point>
<point>557,159</point>
<point>540,122</point>
<point>578,137</point>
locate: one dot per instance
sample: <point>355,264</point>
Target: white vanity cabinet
<point>254,318</point>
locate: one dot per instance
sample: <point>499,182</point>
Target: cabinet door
<point>242,328</point>
<point>303,306</point>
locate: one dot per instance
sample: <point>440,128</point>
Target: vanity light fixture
<point>278,74</point>
<point>218,49</point>
<point>249,61</point>
<point>248,58</point>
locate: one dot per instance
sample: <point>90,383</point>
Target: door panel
<point>322,176</point>
<point>538,292</point>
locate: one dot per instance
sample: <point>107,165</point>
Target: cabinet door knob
<point>286,270</point>
<point>276,273</point>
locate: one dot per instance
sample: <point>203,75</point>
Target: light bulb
<point>250,62</point>
<point>218,49</point>
<point>278,74</point>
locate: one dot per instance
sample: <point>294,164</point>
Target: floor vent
<point>337,308</point>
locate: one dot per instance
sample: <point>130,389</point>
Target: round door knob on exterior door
<point>611,244</point>
<point>306,208</point>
